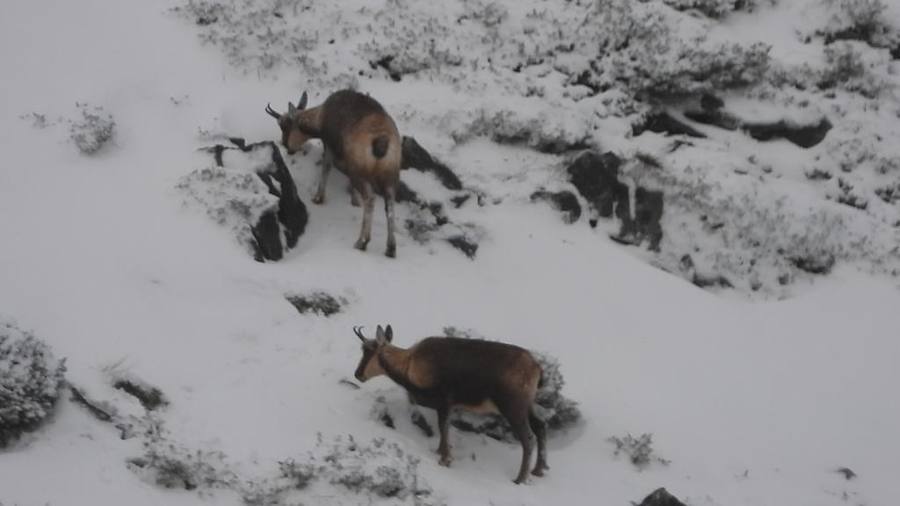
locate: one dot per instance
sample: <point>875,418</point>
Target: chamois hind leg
<point>517,415</point>
<point>539,427</point>
<point>368,198</point>
<point>391,250</point>
<point>327,161</point>
<point>444,428</point>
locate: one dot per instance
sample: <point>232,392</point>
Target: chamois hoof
<point>391,251</point>
<point>537,471</point>
<point>520,480</point>
<point>361,245</point>
<point>445,461</point>
<point>354,202</point>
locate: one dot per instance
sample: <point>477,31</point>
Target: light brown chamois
<point>482,376</point>
<point>361,140</point>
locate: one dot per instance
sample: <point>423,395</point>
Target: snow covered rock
<point>416,157</point>
<point>251,191</point>
<point>30,382</point>
<point>596,177</point>
<point>563,201</point>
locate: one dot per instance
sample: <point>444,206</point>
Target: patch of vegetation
<point>93,131</point>
<point>31,379</point>
<point>639,450</point>
<point>320,303</point>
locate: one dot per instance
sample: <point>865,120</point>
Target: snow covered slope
<point>752,403</point>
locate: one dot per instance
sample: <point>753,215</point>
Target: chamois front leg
<point>391,250</point>
<point>319,198</point>
<point>444,426</point>
<point>368,198</point>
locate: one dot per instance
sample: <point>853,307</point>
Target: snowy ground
<point>754,403</point>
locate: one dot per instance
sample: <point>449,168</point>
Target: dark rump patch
<point>380,146</point>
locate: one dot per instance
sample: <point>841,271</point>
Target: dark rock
<point>596,177</point>
<point>805,136</point>
<point>316,302</point>
<point>99,411</point>
<point>710,102</point>
<point>149,396</point>
<point>464,244</point>
<point>646,222</point>
<point>415,156</point>
<point>847,472</point>
<point>661,497</point>
<point>815,264</point>
<point>563,201</point>
<point>385,63</point>
<point>291,215</point>
<point>664,123</point>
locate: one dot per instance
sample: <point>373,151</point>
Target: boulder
<point>596,177</point>
<point>563,201</point>
<point>416,157</point>
<point>661,497</point>
<point>276,218</point>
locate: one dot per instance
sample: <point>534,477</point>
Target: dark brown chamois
<point>361,140</point>
<point>482,376</point>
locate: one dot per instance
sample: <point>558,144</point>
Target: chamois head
<point>293,133</point>
<point>369,367</point>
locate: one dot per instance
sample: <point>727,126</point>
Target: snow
<point>754,403</point>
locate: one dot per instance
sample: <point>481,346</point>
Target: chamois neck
<point>309,121</point>
<point>395,363</point>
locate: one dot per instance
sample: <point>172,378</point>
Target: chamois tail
<point>380,146</point>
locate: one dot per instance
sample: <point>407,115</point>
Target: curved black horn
<point>358,332</point>
<point>272,112</point>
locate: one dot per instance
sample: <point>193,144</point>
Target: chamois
<point>481,376</point>
<point>361,140</point>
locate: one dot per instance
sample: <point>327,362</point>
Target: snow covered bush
<point>862,20</point>
<point>648,52</point>
<point>850,65</point>
<point>94,130</point>
<point>30,382</point>
<point>639,450</point>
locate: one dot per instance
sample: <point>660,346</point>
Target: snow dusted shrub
<point>30,382</point>
<point>172,465</point>
<point>639,450</point>
<point>849,65</point>
<point>94,130</point>
<point>861,20</point>
<point>640,50</point>
<point>379,468</point>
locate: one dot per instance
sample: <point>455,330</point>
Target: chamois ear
<point>291,109</point>
<point>302,103</point>
<point>379,334</point>
<point>389,333</point>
